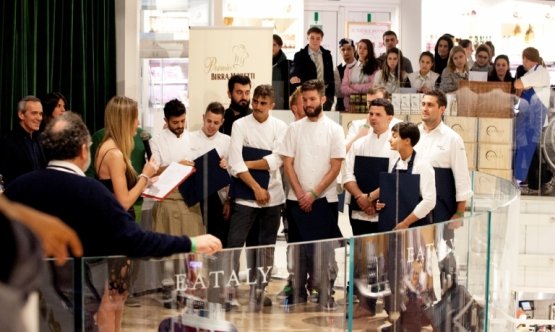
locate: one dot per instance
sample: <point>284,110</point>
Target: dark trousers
<point>255,227</point>
<point>538,173</point>
<point>212,216</point>
<point>314,259</point>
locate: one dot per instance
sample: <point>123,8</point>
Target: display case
<point>162,81</point>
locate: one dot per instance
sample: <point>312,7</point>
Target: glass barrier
<point>452,275</point>
<point>58,300</point>
<point>234,290</point>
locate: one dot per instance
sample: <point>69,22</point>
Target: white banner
<point>216,54</point>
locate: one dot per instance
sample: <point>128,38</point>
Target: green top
<point>138,158</point>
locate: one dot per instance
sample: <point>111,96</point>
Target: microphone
<point>145,137</point>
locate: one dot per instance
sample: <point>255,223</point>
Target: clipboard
<point>367,172</point>
<point>238,188</point>
<point>170,179</point>
<point>208,178</point>
<point>401,193</point>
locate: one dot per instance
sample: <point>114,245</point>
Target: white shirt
<point>443,147</point>
<point>427,183</point>
<point>201,144</point>
<point>313,145</point>
<point>418,81</point>
<point>65,166</point>
<point>368,146</point>
<point>538,78</point>
<point>268,135</point>
<point>357,124</point>
<point>391,86</point>
<point>167,148</point>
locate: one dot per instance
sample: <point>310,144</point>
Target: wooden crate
<point>347,118</point>
<point>414,118</point>
<point>484,99</point>
<point>494,130</point>
<point>466,127</point>
<point>470,149</point>
<point>506,174</point>
<point>495,156</point>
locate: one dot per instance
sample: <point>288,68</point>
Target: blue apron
<point>528,130</point>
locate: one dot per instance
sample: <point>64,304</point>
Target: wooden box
<point>347,118</point>
<point>470,149</point>
<point>495,156</point>
<point>506,174</point>
<point>485,99</point>
<point>415,103</point>
<point>494,130</point>
<point>414,118</point>
<point>405,103</point>
<point>464,126</point>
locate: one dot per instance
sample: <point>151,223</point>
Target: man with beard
<point>239,93</point>
<point>256,221</point>
<point>312,151</point>
<point>172,215</point>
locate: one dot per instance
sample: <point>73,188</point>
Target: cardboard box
<point>405,103</point>
<point>416,119</point>
<point>347,118</point>
<point>485,99</point>
<point>506,174</point>
<point>470,149</point>
<point>495,156</point>
<point>464,126</point>
<point>396,101</point>
<point>495,130</point>
<point>415,103</point>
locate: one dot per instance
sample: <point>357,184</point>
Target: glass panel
<point>57,300</point>
<point>456,274</point>
<point>431,276</point>
<point>235,290</point>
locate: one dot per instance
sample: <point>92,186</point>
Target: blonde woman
<point>112,162</point>
<point>456,70</point>
<point>114,170</point>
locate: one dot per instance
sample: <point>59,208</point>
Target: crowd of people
<point>291,172</point>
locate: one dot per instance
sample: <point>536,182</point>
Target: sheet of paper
<point>172,177</point>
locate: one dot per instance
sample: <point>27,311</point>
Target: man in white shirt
<point>530,120</point>
<point>216,208</point>
<point>172,215</point>
<point>256,222</point>
<point>361,128</point>
<point>362,215</point>
<point>375,144</point>
<point>444,148</point>
<point>312,151</point>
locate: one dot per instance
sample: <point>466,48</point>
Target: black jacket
<point>305,69</point>
<point>16,157</point>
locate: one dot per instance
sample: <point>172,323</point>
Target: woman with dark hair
<point>392,77</point>
<point>443,47</point>
<point>359,77</point>
<point>53,105</point>
<point>424,79</point>
<point>500,71</point>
